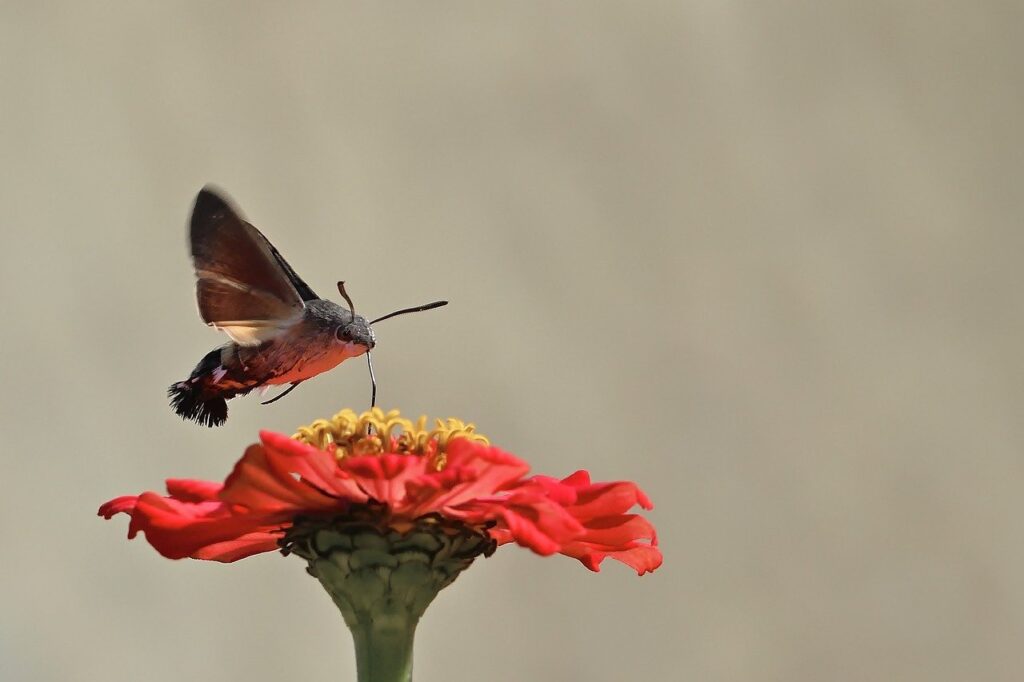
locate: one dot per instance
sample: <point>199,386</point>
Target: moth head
<point>357,331</point>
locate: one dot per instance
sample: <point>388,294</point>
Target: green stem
<point>384,651</point>
<point>382,580</point>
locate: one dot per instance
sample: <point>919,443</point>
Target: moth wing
<point>244,287</point>
<point>305,293</point>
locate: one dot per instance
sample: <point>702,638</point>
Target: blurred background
<point>760,258</point>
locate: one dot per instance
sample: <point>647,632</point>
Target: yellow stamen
<point>375,431</point>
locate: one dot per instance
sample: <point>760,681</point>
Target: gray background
<point>761,258</point>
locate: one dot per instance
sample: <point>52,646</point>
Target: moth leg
<point>238,355</point>
<point>281,395</point>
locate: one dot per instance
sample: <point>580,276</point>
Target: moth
<point>280,331</point>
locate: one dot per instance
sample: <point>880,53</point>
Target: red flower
<point>408,473</point>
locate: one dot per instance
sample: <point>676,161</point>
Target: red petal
<point>608,530</point>
<point>269,477</point>
<point>641,558</point>
<point>472,470</point>
<point>233,550</point>
<point>119,505</point>
<point>269,486</point>
<point>318,467</point>
<point>552,488</point>
<point>179,529</point>
<point>616,531</point>
<point>529,519</point>
<point>383,477</point>
<point>593,499</point>
<point>189,490</point>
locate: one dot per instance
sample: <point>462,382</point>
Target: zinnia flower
<point>387,513</point>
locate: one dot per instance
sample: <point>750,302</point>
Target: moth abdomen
<point>203,397</point>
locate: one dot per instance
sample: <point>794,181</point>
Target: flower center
<point>375,432</point>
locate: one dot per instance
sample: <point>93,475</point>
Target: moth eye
<point>339,333</point>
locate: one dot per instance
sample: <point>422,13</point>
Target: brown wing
<point>241,285</point>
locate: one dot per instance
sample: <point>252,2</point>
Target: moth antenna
<point>282,394</point>
<point>348,299</point>
<point>403,311</point>
<point>373,382</point>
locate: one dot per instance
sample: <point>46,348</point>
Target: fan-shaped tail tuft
<point>188,401</point>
